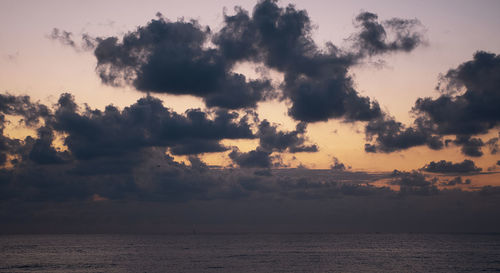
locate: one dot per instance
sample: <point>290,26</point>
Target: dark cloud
<point>151,175</point>
<point>467,166</point>
<point>316,80</point>
<point>373,36</point>
<point>390,135</point>
<point>492,144</point>
<point>43,152</point>
<point>197,164</point>
<point>107,165</point>
<point>273,140</point>
<point>62,36</point>
<point>171,57</point>
<point>338,166</point>
<point>469,103</point>
<point>112,141</point>
<point>145,175</point>
<point>468,106</point>
<point>5,144</point>
<point>197,146</point>
<point>456,181</point>
<point>369,148</point>
<point>87,42</point>
<point>470,146</point>
<point>252,159</point>
<point>30,114</point>
<point>147,123</point>
<point>414,182</point>
<point>328,96</point>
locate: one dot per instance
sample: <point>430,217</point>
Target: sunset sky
<point>183,109</point>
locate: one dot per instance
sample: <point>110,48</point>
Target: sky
<point>156,116</point>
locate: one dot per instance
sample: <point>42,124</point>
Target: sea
<point>317,252</point>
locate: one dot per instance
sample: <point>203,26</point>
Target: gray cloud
<point>467,166</point>
<point>474,111</point>
<point>31,114</point>
<point>456,181</point>
<point>373,37</point>
<point>316,80</point>
<point>469,103</point>
<point>146,123</point>
<point>172,57</point>
<point>466,107</point>
<point>87,42</point>
<point>252,159</point>
<point>414,182</point>
<point>273,140</point>
<point>492,144</point>
<point>42,151</point>
<point>470,146</point>
<point>121,155</point>
<point>134,170</point>
<point>62,36</point>
<point>338,166</point>
<point>390,135</point>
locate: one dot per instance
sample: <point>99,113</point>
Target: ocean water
<point>251,253</point>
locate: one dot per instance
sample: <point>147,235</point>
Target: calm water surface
<point>251,253</point>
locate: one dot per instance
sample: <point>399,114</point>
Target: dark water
<point>251,253</point>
